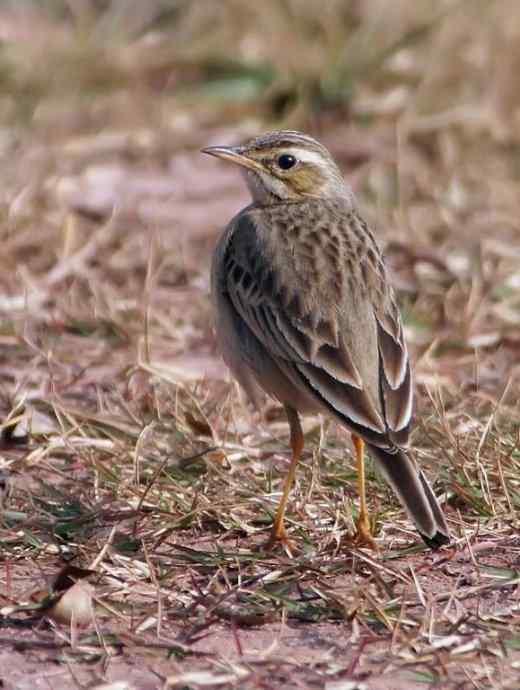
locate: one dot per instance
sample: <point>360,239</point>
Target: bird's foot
<point>363,535</point>
<point>279,538</point>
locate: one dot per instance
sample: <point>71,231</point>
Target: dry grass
<point>124,443</point>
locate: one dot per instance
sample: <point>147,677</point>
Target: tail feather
<point>413,490</point>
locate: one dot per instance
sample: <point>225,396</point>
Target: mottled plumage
<point>305,310</point>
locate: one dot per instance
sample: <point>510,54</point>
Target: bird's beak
<point>235,154</point>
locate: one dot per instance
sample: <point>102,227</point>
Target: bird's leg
<point>278,533</point>
<point>364,533</point>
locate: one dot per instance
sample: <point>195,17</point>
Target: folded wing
<point>343,344</point>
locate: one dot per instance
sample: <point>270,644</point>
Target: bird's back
<point>309,280</point>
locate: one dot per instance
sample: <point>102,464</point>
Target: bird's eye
<point>286,161</point>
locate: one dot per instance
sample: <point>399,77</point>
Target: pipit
<point>305,311</point>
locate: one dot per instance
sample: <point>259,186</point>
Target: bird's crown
<point>285,165</point>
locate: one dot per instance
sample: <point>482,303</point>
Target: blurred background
<point>105,103</point>
<point>115,408</point>
<point>110,213</point>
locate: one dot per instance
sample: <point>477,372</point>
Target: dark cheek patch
<point>307,179</point>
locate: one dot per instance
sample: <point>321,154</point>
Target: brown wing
<point>319,303</point>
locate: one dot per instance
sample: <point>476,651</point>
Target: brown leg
<point>364,534</point>
<point>278,533</point>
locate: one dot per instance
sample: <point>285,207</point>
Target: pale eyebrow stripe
<point>305,155</point>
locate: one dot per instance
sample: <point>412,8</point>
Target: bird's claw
<point>363,535</point>
<point>279,538</point>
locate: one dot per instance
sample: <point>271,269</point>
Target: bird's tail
<point>413,490</point>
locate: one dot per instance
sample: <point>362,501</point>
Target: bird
<point>305,312</point>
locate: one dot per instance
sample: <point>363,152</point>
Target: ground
<point>126,447</point>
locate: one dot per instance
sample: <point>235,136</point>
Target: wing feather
<point>348,353</point>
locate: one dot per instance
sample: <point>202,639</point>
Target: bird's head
<point>285,165</point>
